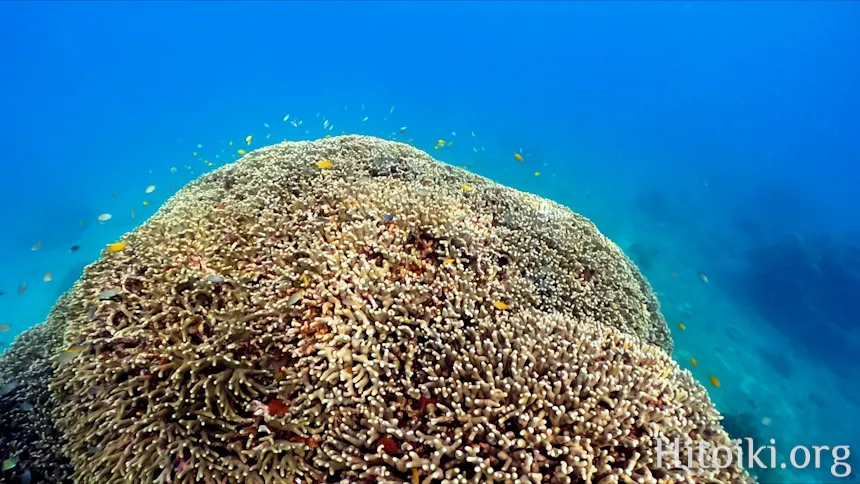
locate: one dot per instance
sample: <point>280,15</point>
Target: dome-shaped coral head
<point>369,320</point>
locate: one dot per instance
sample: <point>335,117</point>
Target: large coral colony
<point>351,310</point>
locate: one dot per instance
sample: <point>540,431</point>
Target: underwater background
<point>715,142</point>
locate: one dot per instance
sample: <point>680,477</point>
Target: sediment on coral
<point>383,318</point>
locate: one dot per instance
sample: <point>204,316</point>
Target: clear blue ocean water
<point>703,137</point>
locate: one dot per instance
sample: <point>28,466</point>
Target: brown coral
<point>372,321</point>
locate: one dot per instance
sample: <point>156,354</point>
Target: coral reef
<point>27,429</point>
<point>377,317</point>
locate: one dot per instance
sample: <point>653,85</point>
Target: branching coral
<point>383,318</point>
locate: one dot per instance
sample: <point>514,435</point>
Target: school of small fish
<point>323,164</point>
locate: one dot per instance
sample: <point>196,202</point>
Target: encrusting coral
<point>351,310</point>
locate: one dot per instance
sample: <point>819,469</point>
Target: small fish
<point>146,203</point>
<point>108,294</point>
<point>173,169</point>
<point>215,279</point>
<point>694,362</point>
<point>518,157</point>
<point>74,248</point>
<point>9,387</point>
<point>229,143</point>
<point>4,328</point>
<point>114,195</point>
<point>68,355</point>
<point>116,246</point>
<point>149,189</point>
<point>682,326</point>
<point>673,274</point>
<point>466,188</point>
<point>22,289</point>
<point>325,123</point>
<point>403,130</point>
<point>48,277</point>
<point>105,217</point>
<point>36,246</point>
<point>133,213</point>
<point>26,407</point>
<point>714,381</point>
<point>2,293</point>
<point>294,298</point>
<point>449,260</point>
<point>287,117</point>
<point>473,134</point>
<point>416,477</point>
<point>365,118</point>
<point>268,135</point>
<point>241,152</point>
<point>537,173</point>
<point>265,125</point>
<point>195,154</point>
<point>83,223</point>
<point>453,133</point>
<point>388,218</point>
<point>248,139</point>
<point>766,421</point>
<point>391,111</point>
<point>702,277</point>
<point>199,146</point>
<point>325,164</point>
<point>9,463</point>
<point>501,305</point>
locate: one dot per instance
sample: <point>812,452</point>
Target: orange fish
<point>714,381</point>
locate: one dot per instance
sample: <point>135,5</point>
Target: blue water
<point>702,137</point>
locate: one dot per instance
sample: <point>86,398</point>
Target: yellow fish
<point>325,164</point>
<point>241,152</point>
<point>682,326</point>
<point>449,261</point>
<point>440,142</point>
<point>518,156</point>
<point>466,188</point>
<point>714,381</point>
<point>416,478</point>
<point>194,154</point>
<point>537,173</point>
<point>501,305</point>
<point>116,246</point>
<point>248,139</point>
<point>230,144</point>
<point>694,362</point>
<point>145,203</point>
